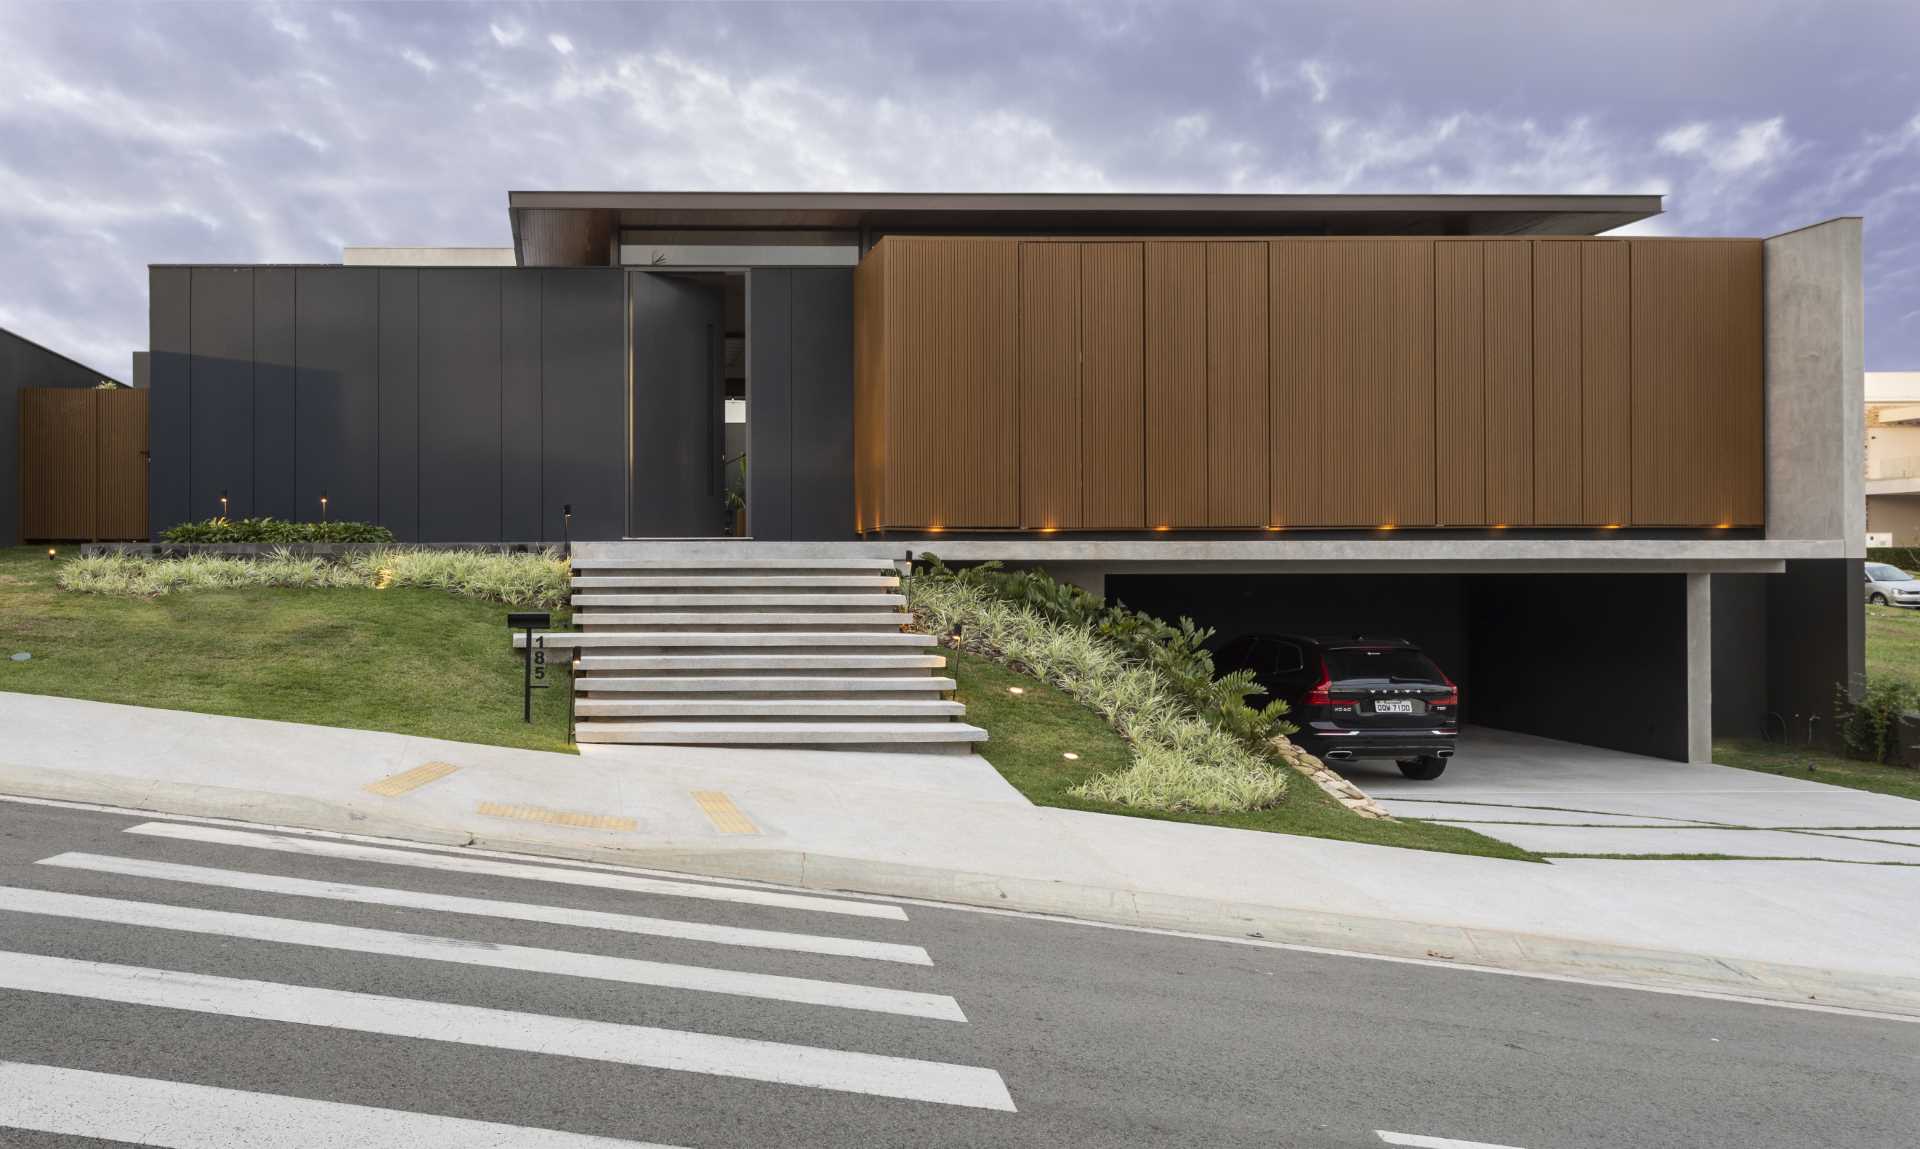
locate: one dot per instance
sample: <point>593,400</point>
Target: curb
<point>1460,947</point>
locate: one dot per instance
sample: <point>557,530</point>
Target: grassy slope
<point>407,661</point>
<point>1893,642</point>
<point>1031,730</point>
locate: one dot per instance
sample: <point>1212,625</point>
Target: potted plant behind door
<point>737,498</point>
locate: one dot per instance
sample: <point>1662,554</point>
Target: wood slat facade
<point>1123,384</point>
<point>83,464</point>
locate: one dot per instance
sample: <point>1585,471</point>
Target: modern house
<point>1893,457</point>
<point>1613,484</point>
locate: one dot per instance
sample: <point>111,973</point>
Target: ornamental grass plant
<point>537,579</point>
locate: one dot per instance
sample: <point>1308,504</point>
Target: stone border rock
<point>1336,786</point>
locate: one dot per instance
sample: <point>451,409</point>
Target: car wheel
<point>1877,599</point>
<point>1423,769</point>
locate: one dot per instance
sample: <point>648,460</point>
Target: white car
<point>1889,585</point>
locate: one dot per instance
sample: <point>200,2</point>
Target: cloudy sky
<point>276,133</point>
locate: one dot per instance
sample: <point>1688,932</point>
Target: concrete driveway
<point>1559,797</point>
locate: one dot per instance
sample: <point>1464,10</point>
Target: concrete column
<point>1699,667</point>
<point>1093,580</point>
<point>1816,392</point>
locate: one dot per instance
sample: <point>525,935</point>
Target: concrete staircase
<point>736,650</point>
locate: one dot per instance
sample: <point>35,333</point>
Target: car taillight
<point>1318,696</point>
<point>1451,697</point>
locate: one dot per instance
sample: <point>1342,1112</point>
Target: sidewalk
<point>949,829</point>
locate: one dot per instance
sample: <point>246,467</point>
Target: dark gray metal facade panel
<point>1816,643</point>
<point>822,404</point>
<point>1593,658</point>
<point>337,393</point>
<point>677,407</point>
<point>170,406</point>
<point>1740,654</point>
<point>520,407</point>
<point>583,423</point>
<point>24,363</point>
<point>222,392</point>
<point>274,416</point>
<point>460,405</point>
<point>400,402</point>
<point>770,439</point>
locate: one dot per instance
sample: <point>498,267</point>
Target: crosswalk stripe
<point>483,907</point>
<point>739,1057</point>
<point>1418,1141</point>
<point>356,939</point>
<point>178,1115</point>
<point>324,848</point>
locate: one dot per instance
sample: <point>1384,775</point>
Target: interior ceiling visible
<point>577,228</point>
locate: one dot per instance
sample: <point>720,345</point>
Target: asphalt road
<point>129,1013</point>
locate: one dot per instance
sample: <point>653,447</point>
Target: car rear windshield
<point>1381,666</point>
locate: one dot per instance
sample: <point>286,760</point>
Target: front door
<point>679,408</point>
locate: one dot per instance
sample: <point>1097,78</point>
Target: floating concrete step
<point>724,563</point>
<point>703,663</point>
<point>828,709</point>
<point>797,639</point>
<point>769,582</point>
<point>741,618</point>
<point>913,734</point>
<point>741,599</point>
<point>766,684</point>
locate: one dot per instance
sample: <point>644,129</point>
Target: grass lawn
<point>1031,730</point>
<point>1893,649</point>
<point>1819,766</point>
<point>409,661</point>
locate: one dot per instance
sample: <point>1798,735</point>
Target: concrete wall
<point>457,405</point>
<point>1816,463</point>
<point>26,364</point>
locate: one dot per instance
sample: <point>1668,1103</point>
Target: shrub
<point>1182,762</point>
<point>1177,653</point>
<point>539,580</point>
<point>1870,724</point>
<point>275,531</point>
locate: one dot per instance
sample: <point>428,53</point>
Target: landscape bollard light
<point>50,553</point>
<point>566,525</point>
<point>955,635</point>
<point>536,656</point>
<point>323,506</point>
<point>223,504</point>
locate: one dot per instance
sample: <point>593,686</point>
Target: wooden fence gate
<point>83,464</point>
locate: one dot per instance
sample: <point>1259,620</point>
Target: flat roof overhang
<point>560,228</point>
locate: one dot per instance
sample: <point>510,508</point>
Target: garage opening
<point>1599,659</point>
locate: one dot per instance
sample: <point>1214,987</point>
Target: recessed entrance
<point>688,468</point>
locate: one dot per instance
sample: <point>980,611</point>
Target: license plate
<point>1393,706</point>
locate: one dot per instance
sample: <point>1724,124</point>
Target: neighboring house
<point>1893,456</point>
<point>1611,483</point>
<point>25,364</point>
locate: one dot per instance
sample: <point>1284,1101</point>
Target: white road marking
<point>646,1046</point>
<point>1729,996</point>
<point>425,947</point>
<point>176,1115</point>
<point>483,907</point>
<point>322,848</point>
<point>1419,1142</point>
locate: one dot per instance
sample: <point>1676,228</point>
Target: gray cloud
<point>218,133</point>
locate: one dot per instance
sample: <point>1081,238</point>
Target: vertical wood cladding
<point>1556,384</point>
<point>1698,414</point>
<point>120,464</point>
<point>1319,382</point>
<point>952,374</point>
<point>1237,400</point>
<point>1050,412</point>
<point>1606,375</point>
<point>57,464</point>
<point>1113,471</point>
<point>1176,384</point>
<point>1509,382</point>
<point>1460,383</point>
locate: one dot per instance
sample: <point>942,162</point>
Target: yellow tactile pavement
<point>725,816</point>
<point>573,818</point>
<point>394,785</point>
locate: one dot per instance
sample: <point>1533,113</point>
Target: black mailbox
<point>530,619</point>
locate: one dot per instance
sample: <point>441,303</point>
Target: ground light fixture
<point>223,504</point>
<point>1069,756</point>
<point>323,506</point>
<point>1016,690</point>
<point>566,524</point>
<point>50,553</point>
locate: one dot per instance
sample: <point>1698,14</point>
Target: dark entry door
<point>679,408</point>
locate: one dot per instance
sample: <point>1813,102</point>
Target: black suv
<point>1356,697</point>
